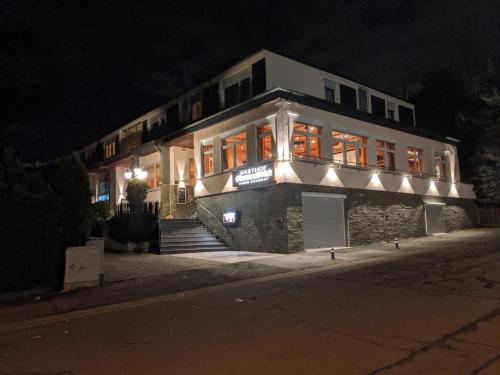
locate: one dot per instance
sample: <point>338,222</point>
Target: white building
<point>306,158</point>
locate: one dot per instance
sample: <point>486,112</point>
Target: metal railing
<point>489,215</point>
<point>211,214</point>
<point>123,208</point>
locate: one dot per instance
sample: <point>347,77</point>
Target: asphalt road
<point>432,312</point>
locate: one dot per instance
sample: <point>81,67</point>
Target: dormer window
<point>236,88</point>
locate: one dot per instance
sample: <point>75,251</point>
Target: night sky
<point>74,70</point>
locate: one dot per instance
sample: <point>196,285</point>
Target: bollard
<point>332,252</point>
<point>396,242</point>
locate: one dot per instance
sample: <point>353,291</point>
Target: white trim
<point>323,195</point>
<point>430,203</point>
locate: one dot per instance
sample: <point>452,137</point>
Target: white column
<point>283,132</point>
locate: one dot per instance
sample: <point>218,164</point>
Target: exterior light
<point>128,175</point>
<point>142,175</point>
<point>376,171</point>
<point>137,173</point>
<point>407,175</point>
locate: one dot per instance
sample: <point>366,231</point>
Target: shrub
<point>137,191</point>
<point>44,210</point>
<point>133,228</point>
<point>98,216</point>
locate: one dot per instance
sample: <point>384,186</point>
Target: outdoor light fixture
<point>407,175</point>
<point>376,171</point>
<point>137,173</point>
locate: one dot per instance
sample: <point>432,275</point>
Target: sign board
<point>254,175</point>
<point>181,195</point>
<point>231,219</point>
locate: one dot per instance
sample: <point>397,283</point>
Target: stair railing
<point>212,214</point>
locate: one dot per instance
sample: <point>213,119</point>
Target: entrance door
<point>323,220</point>
<point>434,219</point>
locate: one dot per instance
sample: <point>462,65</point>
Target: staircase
<point>187,236</point>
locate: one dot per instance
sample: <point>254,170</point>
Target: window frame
<point>205,153</point>
<point>260,137</point>
<point>112,148</point>
<point>233,145</point>
<point>418,155</point>
<point>386,150</point>
<point>308,135</point>
<point>358,146</point>
<point>156,175</point>
<point>441,164</point>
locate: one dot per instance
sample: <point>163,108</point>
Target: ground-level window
<point>441,161</point>
<point>386,158</point>
<point>307,141</point>
<point>208,159</point>
<point>234,151</point>
<point>153,180</point>
<point>415,160</point>
<point>192,175</point>
<point>350,149</point>
<point>264,142</point>
<point>103,189</point>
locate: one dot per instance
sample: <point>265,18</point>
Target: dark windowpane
<point>259,77</point>
<point>405,115</point>
<point>173,116</point>
<point>378,106</point>
<point>330,94</point>
<point>231,95</point>
<point>210,100</point>
<point>245,89</point>
<point>348,96</point>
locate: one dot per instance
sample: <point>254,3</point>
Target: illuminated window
<point>350,149</point>
<point>192,177</point>
<point>441,162</point>
<point>234,151</point>
<point>307,141</point>
<point>153,180</point>
<point>386,157</point>
<point>196,111</point>
<point>265,142</point>
<point>110,149</point>
<point>208,159</point>
<point>415,160</point>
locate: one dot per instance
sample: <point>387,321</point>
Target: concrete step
<point>187,237</point>
<point>193,250</point>
<point>188,245</point>
<point>183,232</point>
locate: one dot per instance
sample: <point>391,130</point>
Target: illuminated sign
<point>231,219</point>
<point>260,174</point>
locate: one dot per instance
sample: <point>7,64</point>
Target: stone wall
<point>272,216</point>
<point>263,218</point>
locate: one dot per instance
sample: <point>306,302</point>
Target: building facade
<point>276,155</point>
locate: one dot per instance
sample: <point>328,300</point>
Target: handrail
<point>211,213</point>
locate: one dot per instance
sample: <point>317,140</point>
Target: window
<point>405,115</point>
<point>208,159</point>
<point>330,87</point>
<point>386,158</point>
<point>110,149</point>
<point>348,96</point>
<point>415,160</point>
<point>153,180</point>
<point>103,190</point>
<point>196,111</point>
<point>441,161</point>
<point>132,137</point>
<point>237,88</point>
<point>307,141</point>
<point>192,177</point>
<point>350,149</point>
<point>378,106</point>
<point>265,142</point>
<point>234,151</point>
<point>363,99</point>
<point>391,110</point>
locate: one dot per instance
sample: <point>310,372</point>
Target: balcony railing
<point>131,142</point>
<point>123,208</point>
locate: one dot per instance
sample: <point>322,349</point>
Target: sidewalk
<point>136,276</point>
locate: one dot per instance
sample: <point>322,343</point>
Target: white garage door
<point>434,219</point>
<point>323,220</point>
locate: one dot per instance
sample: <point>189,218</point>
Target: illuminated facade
<point>307,158</point>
